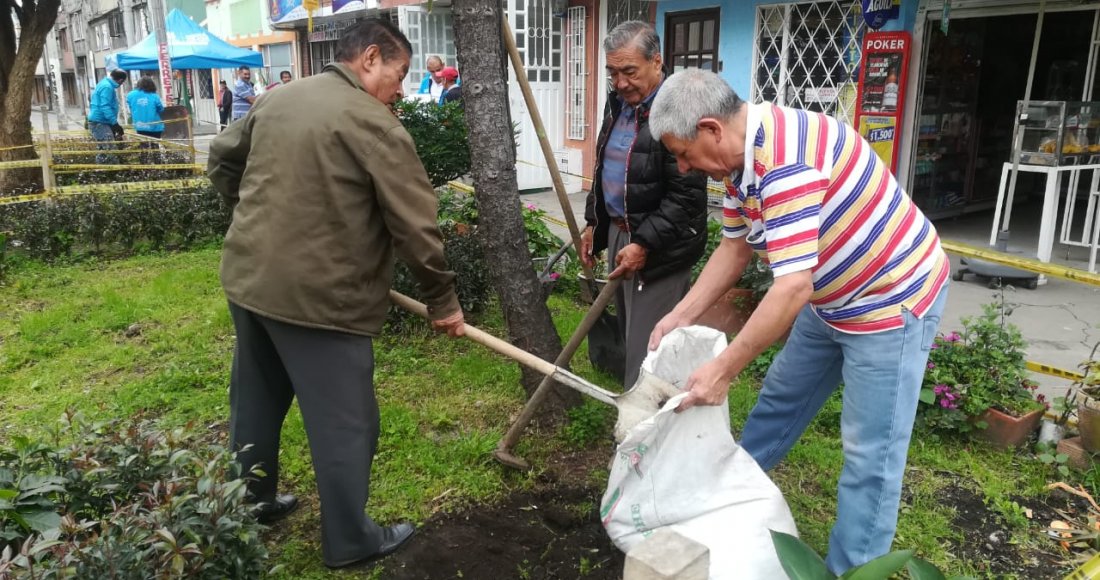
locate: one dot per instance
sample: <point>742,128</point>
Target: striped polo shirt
<point>818,198</point>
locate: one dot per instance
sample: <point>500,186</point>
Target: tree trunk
<point>477,25</point>
<point>17,64</point>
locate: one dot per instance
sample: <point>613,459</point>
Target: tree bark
<point>18,60</point>
<point>481,59</point>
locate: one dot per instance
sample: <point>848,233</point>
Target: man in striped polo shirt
<point>858,269</point>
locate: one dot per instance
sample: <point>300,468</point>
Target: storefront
<point>972,66</point>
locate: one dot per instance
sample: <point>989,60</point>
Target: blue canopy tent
<point>190,46</point>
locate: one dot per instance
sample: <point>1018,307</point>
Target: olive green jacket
<point>326,184</point>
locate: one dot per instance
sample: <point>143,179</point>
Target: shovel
<point>642,400</point>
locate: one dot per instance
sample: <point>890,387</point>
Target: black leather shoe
<point>393,538</point>
<point>268,512</point>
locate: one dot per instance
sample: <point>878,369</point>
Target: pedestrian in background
<point>145,108</point>
<point>452,91</point>
<point>103,115</point>
<point>244,94</point>
<point>225,105</point>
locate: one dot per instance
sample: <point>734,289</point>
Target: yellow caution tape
<point>121,167</point>
<point>1028,264</point>
<point>460,186</point>
<point>140,186</point>
<point>65,152</point>
<point>1053,371</point>
<point>16,147</point>
<point>23,198</point>
<point>20,164</point>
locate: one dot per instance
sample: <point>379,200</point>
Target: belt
<point>621,223</point>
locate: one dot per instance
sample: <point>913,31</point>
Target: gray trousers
<point>332,374</point>
<point>640,308</point>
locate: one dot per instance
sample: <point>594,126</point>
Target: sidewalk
<point>1059,320</point>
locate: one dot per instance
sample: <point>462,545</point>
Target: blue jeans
<point>105,136</point>
<point>882,374</point>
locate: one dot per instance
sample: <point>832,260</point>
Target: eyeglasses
<point>629,73</point>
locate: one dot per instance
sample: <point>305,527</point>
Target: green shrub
<point>440,137</point>
<point>757,275</point>
<point>115,222</point>
<point>123,499</point>
<point>465,258</point>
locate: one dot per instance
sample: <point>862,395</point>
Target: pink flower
<point>531,207</point>
<point>931,365</point>
<point>952,337</point>
<point>554,275</point>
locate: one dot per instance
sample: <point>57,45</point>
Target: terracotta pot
<point>1006,431</point>
<point>1088,423</point>
<point>730,313</point>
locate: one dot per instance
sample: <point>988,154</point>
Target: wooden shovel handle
<point>483,338</point>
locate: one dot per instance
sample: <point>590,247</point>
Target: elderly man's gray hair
<point>634,32</point>
<point>688,96</point>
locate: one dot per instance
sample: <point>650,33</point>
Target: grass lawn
<point>152,333</point>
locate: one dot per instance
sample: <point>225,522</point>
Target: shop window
<point>807,56</point>
<point>277,58</point>
<point>321,54</point>
<point>692,40</point>
<point>577,71</point>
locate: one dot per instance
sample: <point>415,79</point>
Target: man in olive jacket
<point>325,184</point>
<point>651,219</point>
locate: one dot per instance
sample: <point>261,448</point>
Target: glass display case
<point>1058,133</point>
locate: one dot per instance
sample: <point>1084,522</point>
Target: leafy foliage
<point>970,372</point>
<point>440,137</point>
<point>588,423</point>
<point>123,499</point>
<point>800,562</point>
<point>115,222</point>
<point>757,275</point>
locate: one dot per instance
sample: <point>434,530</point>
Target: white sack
<point>685,470</point>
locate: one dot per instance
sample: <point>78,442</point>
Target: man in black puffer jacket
<point>651,218</point>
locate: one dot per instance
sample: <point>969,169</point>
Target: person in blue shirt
<point>145,108</point>
<point>244,94</point>
<point>432,83</point>
<point>103,114</point>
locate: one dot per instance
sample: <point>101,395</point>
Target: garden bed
<point>444,405</point>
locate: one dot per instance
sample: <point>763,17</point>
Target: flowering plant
<point>972,371</point>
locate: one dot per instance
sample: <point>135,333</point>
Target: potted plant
<point>976,382</point>
<point>1088,402</point>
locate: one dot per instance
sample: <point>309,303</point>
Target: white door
<point>206,103</point>
<point>538,37</point>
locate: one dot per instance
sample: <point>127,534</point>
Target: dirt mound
<point>531,535</point>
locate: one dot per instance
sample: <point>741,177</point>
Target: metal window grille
<point>538,38</point>
<point>807,55</point>
<point>577,80</point>
<point>204,84</point>
<point>619,11</point>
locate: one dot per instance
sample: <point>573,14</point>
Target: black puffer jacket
<point>666,210</point>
